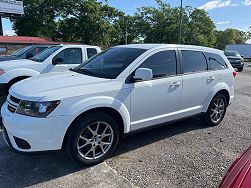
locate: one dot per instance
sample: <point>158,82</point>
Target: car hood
<point>239,173</point>
<point>234,57</point>
<point>58,85</point>
<point>20,63</point>
<point>8,58</point>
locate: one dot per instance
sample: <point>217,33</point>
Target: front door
<point>69,58</point>
<point>158,100</point>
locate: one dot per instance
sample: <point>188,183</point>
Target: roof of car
<point>74,45</point>
<point>150,46</point>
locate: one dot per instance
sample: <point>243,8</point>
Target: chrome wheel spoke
<point>106,143</point>
<point>102,148</point>
<point>90,129</point>
<point>94,152</point>
<point>88,152</point>
<point>97,128</point>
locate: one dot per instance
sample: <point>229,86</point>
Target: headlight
<point>36,109</point>
<point>2,71</point>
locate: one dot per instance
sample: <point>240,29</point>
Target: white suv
<point>86,110</point>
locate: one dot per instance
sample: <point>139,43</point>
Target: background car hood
<point>234,57</point>
<point>58,85</point>
<point>8,58</point>
<point>20,63</point>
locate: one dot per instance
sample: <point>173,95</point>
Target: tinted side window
<point>36,50</point>
<point>215,61</point>
<point>162,64</point>
<point>91,52</point>
<point>193,61</point>
<point>70,56</point>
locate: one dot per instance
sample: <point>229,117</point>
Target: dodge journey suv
<point>86,110</point>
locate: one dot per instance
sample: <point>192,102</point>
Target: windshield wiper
<point>87,72</point>
<point>83,71</point>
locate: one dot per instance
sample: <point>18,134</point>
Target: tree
<point>158,24</point>
<point>39,18</point>
<point>91,22</point>
<point>230,36</point>
<point>199,29</point>
<point>161,24</point>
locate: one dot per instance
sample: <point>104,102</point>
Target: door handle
<point>175,84</point>
<point>211,78</point>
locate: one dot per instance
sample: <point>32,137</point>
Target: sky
<point>224,13</point>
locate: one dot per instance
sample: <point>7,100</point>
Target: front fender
<point>21,72</point>
<point>84,105</point>
<point>214,90</point>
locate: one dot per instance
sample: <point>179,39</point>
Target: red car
<point>239,173</point>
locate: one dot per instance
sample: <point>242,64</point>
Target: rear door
<point>198,81</point>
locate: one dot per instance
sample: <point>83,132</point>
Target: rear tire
<point>93,138</point>
<point>240,69</point>
<point>216,110</point>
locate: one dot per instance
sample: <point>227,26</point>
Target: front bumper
<point>42,134</point>
<point>237,65</point>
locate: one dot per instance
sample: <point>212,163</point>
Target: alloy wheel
<point>217,110</point>
<point>95,140</point>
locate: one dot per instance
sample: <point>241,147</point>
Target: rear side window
<point>193,61</point>
<point>91,52</point>
<point>162,64</point>
<point>215,61</point>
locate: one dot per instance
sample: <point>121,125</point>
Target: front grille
<point>14,99</point>
<point>13,102</point>
<point>11,109</point>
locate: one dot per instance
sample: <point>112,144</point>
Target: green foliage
<point>230,36</point>
<point>199,29</point>
<point>95,22</point>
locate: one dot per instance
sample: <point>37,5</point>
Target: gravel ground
<point>184,154</point>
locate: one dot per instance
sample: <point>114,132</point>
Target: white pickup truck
<point>53,59</point>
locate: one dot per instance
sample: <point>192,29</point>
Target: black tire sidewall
<point>240,69</point>
<point>80,125</point>
<point>207,117</point>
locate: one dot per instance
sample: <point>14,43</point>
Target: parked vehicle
<point>55,58</point>
<point>235,59</point>
<point>243,49</point>
<point>25,53</point>
<point>238,174</point>
<point>86,110</point>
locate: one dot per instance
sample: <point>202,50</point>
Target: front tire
<point>93,138</point>
<point>216,110</point>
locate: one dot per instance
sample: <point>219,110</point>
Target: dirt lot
<point>185,154</point>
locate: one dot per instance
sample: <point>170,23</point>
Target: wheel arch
<point>108,110</point>
<point>223,90</point>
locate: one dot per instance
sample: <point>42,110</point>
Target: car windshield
<point>109,63</point>
<point>231,53</point>
<point>45,54</point>
<point>21,51</point>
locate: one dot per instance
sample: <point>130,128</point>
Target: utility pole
<point>1,26</point>
<point>181,17</point>
<point>126,35</point>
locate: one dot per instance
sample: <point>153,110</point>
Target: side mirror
<point>58,60</point>
<point>143,74</point>
<point>29,55</point>
<point>242,56</point>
